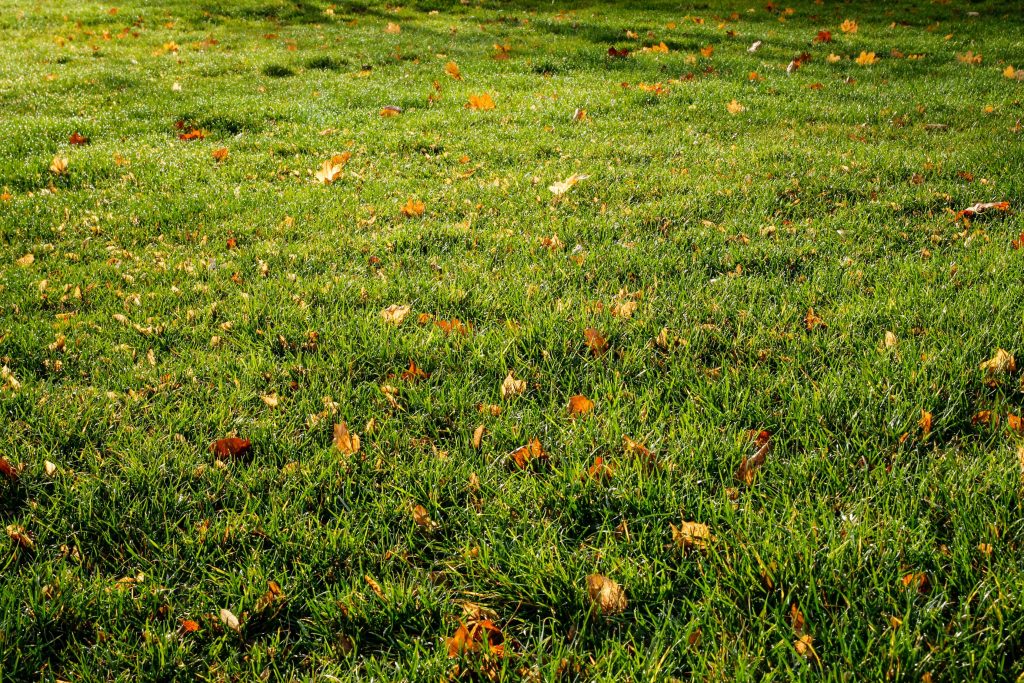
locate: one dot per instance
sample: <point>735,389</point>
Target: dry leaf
<point>26,260</point>
<point>480,102</point>
<point>59,165</point>
<point>890,340</point>
<point>866,58</point>
<point>608,596</point>
<point>512,387</point>
<point>189,626</point>
<point>1000,364</point>
<point>414,373</point>
<point>478,436</point>
<point>413,208</point>
<point>691,535</point>
<point>230,620</point>
<point>271,399</point>
<point>18,534</point>
<point>735,107</point>
<point>220,154</point>
<point>812,321</point>
<point>982,207</point>
<point>749,467</point>
<point>345,441</point>
<point>796,619</point>
<point>580,405</point>
<point>10,472</point>
<point>597,344</point>
<point>452,69</point>
<point>524,455</point>
<point>422,518</point>
<point>925,422</point>
<point>375,587</point>
<point>848,26</point>
<point>563,186</point>
<point>232,447</point>
<point>77,138</point>
<point>329,172</point>
<point>50,468</point>
<point>600,471</point>
<point>392,28</point>
<point>395,314</point>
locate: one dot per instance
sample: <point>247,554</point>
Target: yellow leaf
<point>1001,363</point>
<point>735,107</point>
<point>691,535</point>
<point>26,260</point>
<point>392,28</point>
<point>395,314</point>
<point>848,26</point>
<point>478,437</point>
<point>832,58</point>
<point>59,165</point>
<point>563,186</point>
<point>866,58</point>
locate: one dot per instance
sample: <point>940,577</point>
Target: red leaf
<point>77,138</point>
<point>232,447</point>
<point>8,470</point>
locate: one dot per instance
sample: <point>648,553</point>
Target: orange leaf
<point>189,626</point>
<point>480,102</point>
<point>812,321</point>
<point>345,441</point>
<point>413,208</point>
<point>414,373</point>
<point>523,455</point>
<point>580,405</point>
<point>452,69</point>
<point>77,138</point>
<point>925,422</point>
<point>220,154</point>
<point>608,596</point>
<point>597,344</point>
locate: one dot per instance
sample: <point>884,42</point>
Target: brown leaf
<point>232,447</point>
<point>524,455</point>
<point>812,321</point>
<point>796,619</point>
<point>375,587</point>
<point>220,154</point>
<point>512,387</point>
<point>600,471</point>
<point>580,405</point>
<point>77,138</point>
<point>422,518</point>
<point>478,436</point>
<point>452,69</point>
<point>608,596</point>
<point>749,467</point>
<point>691,535</point>
<point>597,344</point>
<point>345,441</point>
<point>8,470</point>
<point>415,373</point>
<point>925,422</point>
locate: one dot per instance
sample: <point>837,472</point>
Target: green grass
<point>724,229</point>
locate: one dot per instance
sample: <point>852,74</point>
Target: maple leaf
<point>189,626</point>
<point>194,134</point>
<point>511,387</point>
<point>395,314</point>
<point>823,37</point>
<point>524,455</point>
<point>331,169</point>
<point>970,57</point>
<point>564,186</point>
<point>345,441</point>
<point>707,51</point>
<point>59,165</point>
<point>1016,74</point>
<point>660,48</point>
<point>232,447</point>
<point>480,102</point>
<point>618,53</point>
<point>580,405</point>
<point>735,107</point>
<point>392,28</point>
<point>848,26</point>
<point>219,154</point>
<point>77,138</point>
<point>607,595</point>
<point>452,69</point>
<point>413,208</point>
<point>866,58</point>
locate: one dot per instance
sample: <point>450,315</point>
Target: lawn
<point>511,341</point>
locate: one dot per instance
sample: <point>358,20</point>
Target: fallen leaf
<point>564,186</point>
<point>970,58</point>
<point>866,58</point>
<point>332,168</point>
<point>375,587</point>
<point>220,154</point>
<point>452,69</point>
<point>478,436</point>
<point>59,165</point>
<point>580,405</point>
<point>796,619</point>
<point>392,28</point>
<point>618,53</point>
<point>848,26</point>
<point>77,138</point>
<point>1001,363</point>
<point>889,341</point>
<point>270,399</point>
<point>20,536</point>
<point>345,441</point>
<point>735,107</point>
<point>982,207</point>
<point>805,646</point>
<point>189,626</point>
<point>480,102</point>
<point>232,447</point>
<point>414,373</point>
<point>597,344</point>
<point>49,468</point>
<point>26,260</point>
<point>524,455</point>
<point>395,314</point>
<point>413,208</point>
<point>812,321</point>
<point>600,471</point>
<point>608,596</point>
<point>9,471</point>
<point>194,134</point>
<point>707,51</point>
<point>749,467</point>
<point>422,518</point>
<point>390,111</point>
<point>925,422</point>
<point>230,620</point>
<point>691,535</point>
<point>754,47</point>
<point>823,37</point>
<point>511,387</point>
